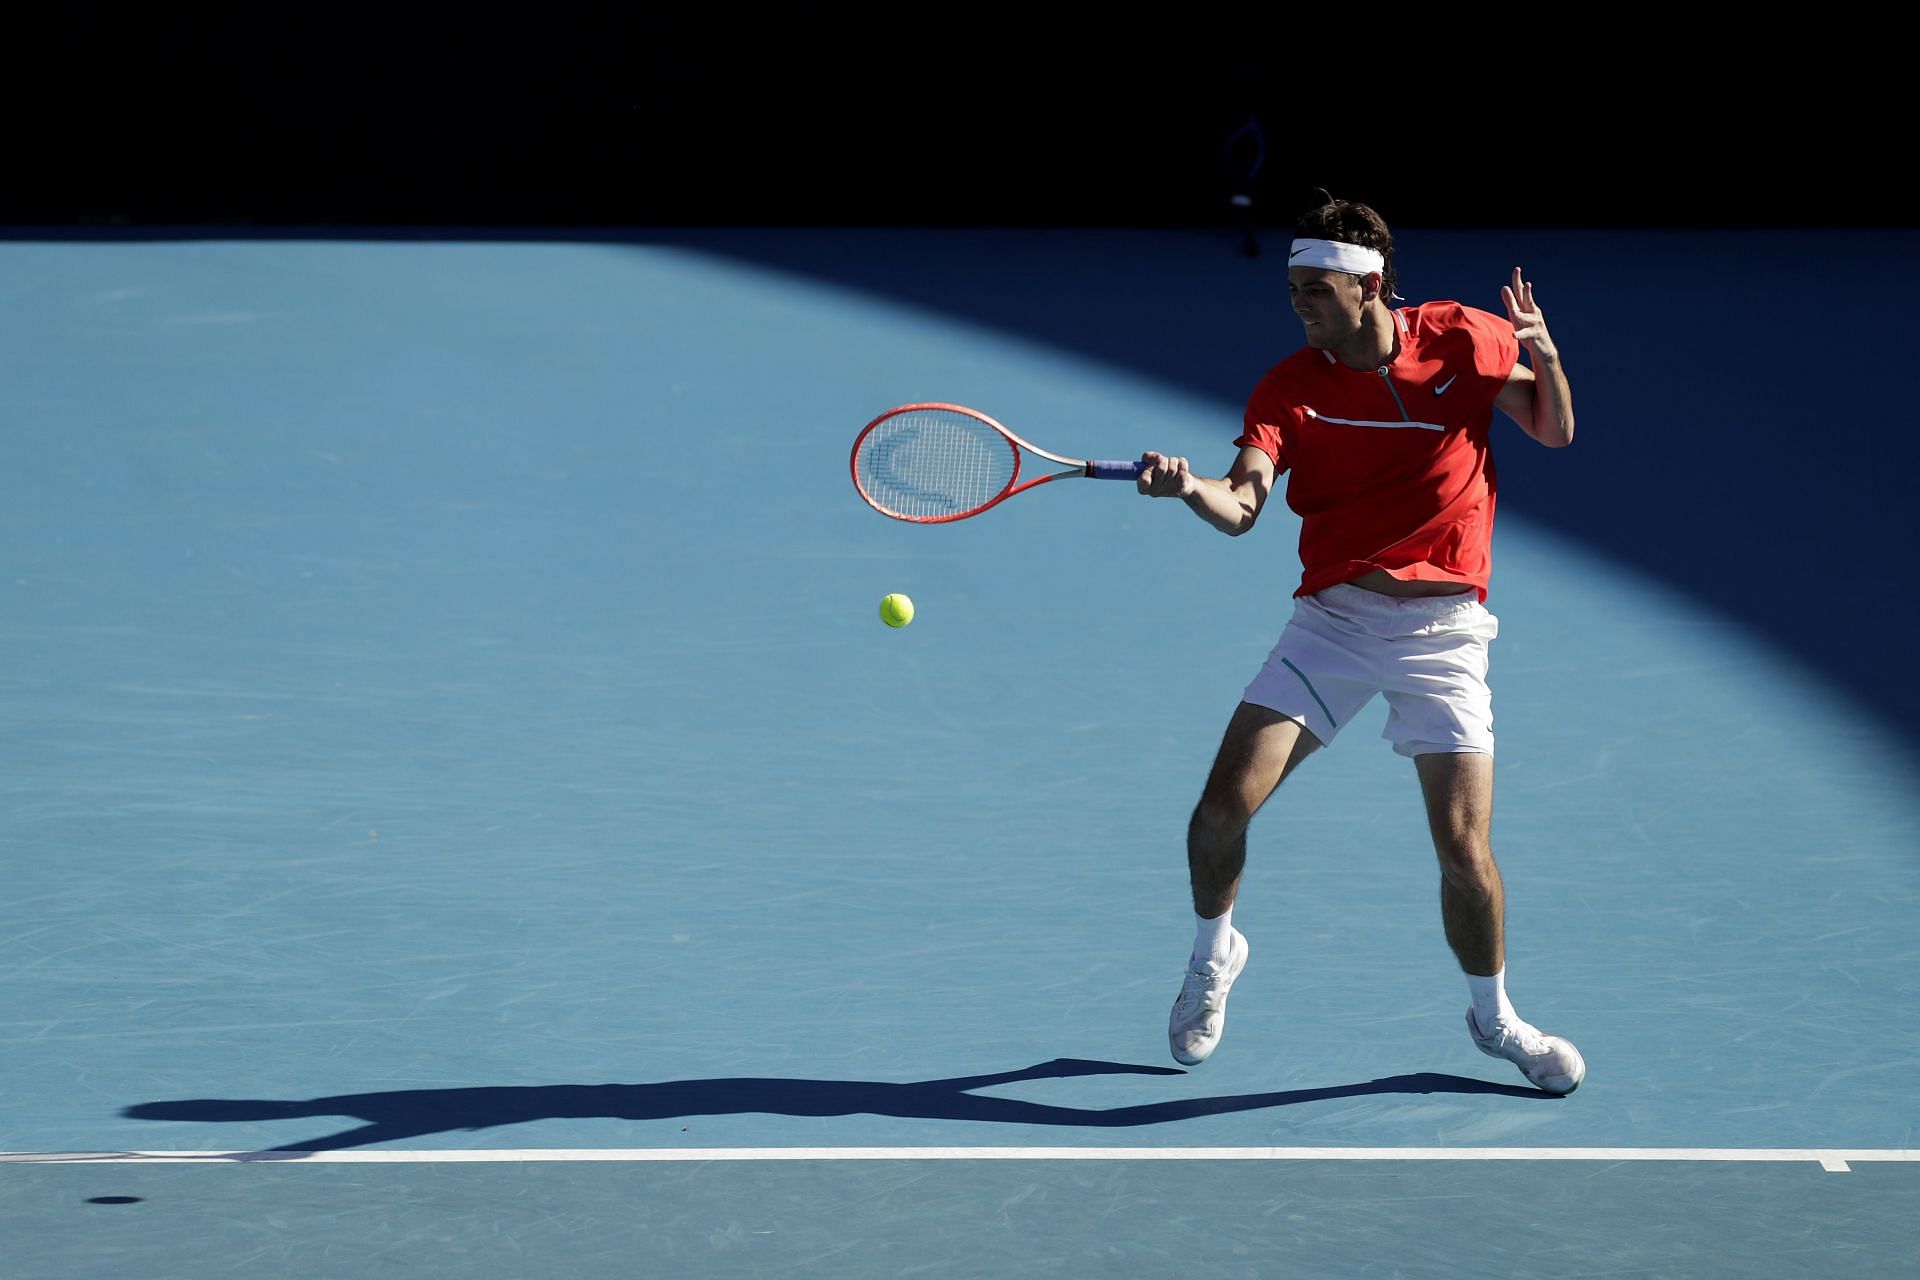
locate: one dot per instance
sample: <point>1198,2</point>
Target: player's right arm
<point>1230,504</point>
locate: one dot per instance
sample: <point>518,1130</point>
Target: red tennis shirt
<point>1391,468</point>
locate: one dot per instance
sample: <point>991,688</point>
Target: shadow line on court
<point>396,1115</point>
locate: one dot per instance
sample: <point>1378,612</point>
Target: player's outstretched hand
<point>1529,324</point>
<point>1165,477</point>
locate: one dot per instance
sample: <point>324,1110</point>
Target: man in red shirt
<point>1382,422</point>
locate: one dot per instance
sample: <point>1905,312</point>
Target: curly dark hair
<point>1351,222</point>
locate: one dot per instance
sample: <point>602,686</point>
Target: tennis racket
<point>931,463</point>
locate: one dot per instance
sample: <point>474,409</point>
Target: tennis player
<point>1382,423</point>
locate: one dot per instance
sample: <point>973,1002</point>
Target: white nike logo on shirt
<point>1442,388</point>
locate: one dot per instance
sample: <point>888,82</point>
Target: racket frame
<point>1074,466</point>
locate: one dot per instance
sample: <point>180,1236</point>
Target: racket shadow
<point>394,1115</point>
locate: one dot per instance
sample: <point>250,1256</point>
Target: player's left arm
<point>1537,398</point>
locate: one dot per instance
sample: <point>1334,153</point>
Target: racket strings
<point>930,463</point>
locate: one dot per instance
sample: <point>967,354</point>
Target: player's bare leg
<point>1459,793</point>
<point>1260,748</point>
<point>1458,789</point>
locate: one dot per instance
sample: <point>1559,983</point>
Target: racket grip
<point>1123,470</point>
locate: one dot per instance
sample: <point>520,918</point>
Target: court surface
<point>463,815</point>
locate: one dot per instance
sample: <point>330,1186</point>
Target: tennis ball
<point>896,610</point>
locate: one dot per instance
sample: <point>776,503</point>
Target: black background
<point>547,120</point>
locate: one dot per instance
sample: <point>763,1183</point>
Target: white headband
<point>1335,255</point>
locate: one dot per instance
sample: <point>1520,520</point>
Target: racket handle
<point>1124,470</point>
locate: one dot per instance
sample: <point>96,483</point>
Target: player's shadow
<point>398,1114</point>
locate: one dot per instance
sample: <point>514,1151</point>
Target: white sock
<point>1490,1003</point>
<point>1211,938</point>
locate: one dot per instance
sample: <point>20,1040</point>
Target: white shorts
<point>1427,654</point>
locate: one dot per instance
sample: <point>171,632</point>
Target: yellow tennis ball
<point>896,610</point>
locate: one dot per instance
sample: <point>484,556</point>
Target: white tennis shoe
<point>1548,1061</point>
<point>1200,1011</point>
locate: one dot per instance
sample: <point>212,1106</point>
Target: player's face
<point>1328,304</point>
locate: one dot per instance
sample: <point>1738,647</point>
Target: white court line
<point>1833,1160</point>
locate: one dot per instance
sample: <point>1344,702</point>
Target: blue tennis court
<point>464,816</point>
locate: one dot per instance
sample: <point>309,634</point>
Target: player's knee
<point>1466,860</point>
<point>1219,815</point>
